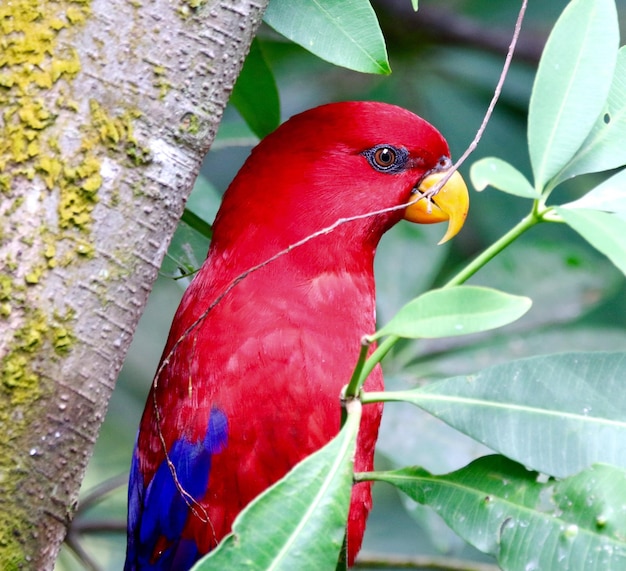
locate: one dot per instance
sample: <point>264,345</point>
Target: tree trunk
<point>108,107</point>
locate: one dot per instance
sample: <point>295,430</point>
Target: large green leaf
<point>299,523</point>
<point>605,231</point>
<point>459,310</point>
<point>344,33</point>
<point>503,509</point>
<point>501,347</point>
<point>556,413</point>
<point>572,84</point>
<point>495,172</point>
<point>443,448</point>
<point>255,94</point>
<point>605,146</point>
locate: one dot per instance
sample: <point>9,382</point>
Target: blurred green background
<point>446,60</point>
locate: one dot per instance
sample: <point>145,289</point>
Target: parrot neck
<point>317,284</point>
<point>305,257</point>
<point>297,245</point>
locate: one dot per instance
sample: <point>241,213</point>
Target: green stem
<point>354,385</point>
<point>365,365</point>
<point>481,260</point>
<point>385,396</point>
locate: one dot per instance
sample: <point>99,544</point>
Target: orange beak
<point>450,202</point>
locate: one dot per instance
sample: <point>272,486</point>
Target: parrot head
<point>371,161</point>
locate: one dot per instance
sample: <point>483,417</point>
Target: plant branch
<point>377,356</point>
<point>384,396</point>
<point>99,526</point>
<point>354,384</point>
<point>482,259</point>
<point>364,369</point>
<point>365,365</point>
<point>99,492</point>
<point>498,89</point>
<point>73,543</point>
<point>530,220</point>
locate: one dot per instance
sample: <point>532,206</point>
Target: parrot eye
<point>385,158</point>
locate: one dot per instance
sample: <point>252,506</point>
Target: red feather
<point>255,360</point>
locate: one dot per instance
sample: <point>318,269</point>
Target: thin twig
<point>192,503</point>
<point>98,526</point>
<point>73,543</point>
<point>391,340</point>
<point>496,95</point>
<point>99,492</point>
<point>498,90</point>
<point>79,526</point>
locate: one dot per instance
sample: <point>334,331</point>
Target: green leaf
<point>454,311</point>
<point>344,33</point>
<point>605,146</point>
<point>605,231</point>
<point>255,94</point>
<point>556,413</point>
<point>495,172</point>
<point>188,248</point>
<point>298,523</point>
<point>505,510</point>
<point>442,448</point>
<point>572,84</point>
<point>609,196</point>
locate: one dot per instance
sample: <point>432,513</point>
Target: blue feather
<point>160,511</point>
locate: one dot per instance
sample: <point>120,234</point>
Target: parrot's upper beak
<point>451,202</point>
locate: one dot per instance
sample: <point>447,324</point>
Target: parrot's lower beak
<point>450,202</point>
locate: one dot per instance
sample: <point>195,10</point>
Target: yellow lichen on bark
<point>35,61</point>
<point>31,64</point>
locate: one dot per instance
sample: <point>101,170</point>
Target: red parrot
<point>269,330</point>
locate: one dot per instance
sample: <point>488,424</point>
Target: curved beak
<point>450,202</point>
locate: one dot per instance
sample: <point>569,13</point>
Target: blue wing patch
<point>157,513</point>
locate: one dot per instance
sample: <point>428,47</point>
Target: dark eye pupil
<point>384,157</point>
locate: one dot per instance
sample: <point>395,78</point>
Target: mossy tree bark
<point>108,107</point>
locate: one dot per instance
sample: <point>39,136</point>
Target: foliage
<point>504,509</point>
<point>544,392</point>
